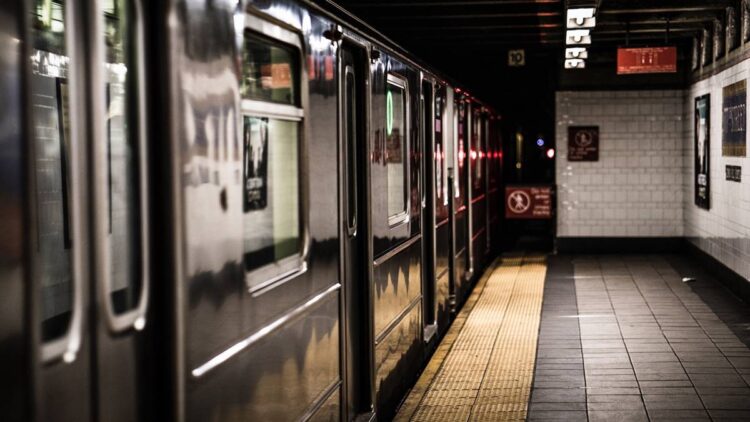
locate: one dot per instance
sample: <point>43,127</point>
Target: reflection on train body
<point>229,211</point>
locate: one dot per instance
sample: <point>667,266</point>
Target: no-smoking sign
<point>528,202</point>
<point>519,202</point>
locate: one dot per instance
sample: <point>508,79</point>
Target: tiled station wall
<point>723,231</point>
<point>636,187</point>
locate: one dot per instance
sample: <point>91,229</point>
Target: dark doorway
<point>357,302</point>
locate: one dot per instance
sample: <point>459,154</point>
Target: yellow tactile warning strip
<point>483,368</point>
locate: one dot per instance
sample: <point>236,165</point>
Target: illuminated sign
<point>646,60</point>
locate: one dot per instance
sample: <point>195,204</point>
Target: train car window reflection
<point>273,223</point>
<point>396,147</point>
<point>51,172</point>
<point>269,71</point>
<point>441,157</point>
<point>462,156</point>
<point>271,194</point>
<point>122,146</point>
<point>477,153</point>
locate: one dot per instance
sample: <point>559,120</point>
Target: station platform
<point>591,338</point>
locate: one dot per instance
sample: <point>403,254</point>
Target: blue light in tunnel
<point>540,142</point>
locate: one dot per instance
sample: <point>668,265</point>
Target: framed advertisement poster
<point>702,126</point>
<point>734,120</point>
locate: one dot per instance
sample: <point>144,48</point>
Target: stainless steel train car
<point>222,210</point>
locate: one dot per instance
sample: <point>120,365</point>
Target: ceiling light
<point>575,64</point>
<point>578,36</point>
<point>581,18</point>
<point>576,53</point>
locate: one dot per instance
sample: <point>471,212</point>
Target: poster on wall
<point>528,202</point>
<point>733,120</point>
<point>733,173</point>
<point>702,151</point>
<point>583,143</point>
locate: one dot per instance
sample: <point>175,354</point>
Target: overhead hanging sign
<point>646,60</point>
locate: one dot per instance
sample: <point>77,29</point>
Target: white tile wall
<point>724,230</point>
<point>636,187</point>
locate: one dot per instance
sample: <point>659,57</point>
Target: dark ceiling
<point>528,23</point>
<point>469,41</point>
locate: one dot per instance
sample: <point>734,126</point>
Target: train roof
<point>344,17</point>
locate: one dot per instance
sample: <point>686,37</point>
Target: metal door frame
<point>62,366</point>
<point>427,184</point>
<point>364,223</point>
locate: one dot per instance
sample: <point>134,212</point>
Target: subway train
<point>216,210</point>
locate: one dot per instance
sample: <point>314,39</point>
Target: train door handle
<point>67,346</point>
<point>136,317</point>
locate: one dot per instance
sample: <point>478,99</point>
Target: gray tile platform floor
<point>622,338</point>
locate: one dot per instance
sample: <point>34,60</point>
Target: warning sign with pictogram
<point>583,143</point>
<point>528,202</point>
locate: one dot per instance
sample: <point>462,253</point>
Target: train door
<point>428,214</point>
<point>86,210</point>
<point>357,334</point>
<point>469,193</point>
<point>119,209</point>
<point>477,188</point>
<point>57,277</point>
<point>462,234</point>
<point>495,202</point>
<point>487,168</point>
<point>440,214</point>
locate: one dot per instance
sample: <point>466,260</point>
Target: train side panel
<point>258,286</point>
<point>395,215</point>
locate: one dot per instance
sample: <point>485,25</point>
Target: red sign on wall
<point>528,202</point>
<point>646,60</point>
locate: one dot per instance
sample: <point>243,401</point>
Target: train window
<point>462,174</point>
<point>122,137</point>
<point>441,156</point>
<point>397,145</point>
<point>477,153</point>
<point>51,171</point>
<point>269,71</point>
<point>350,131</point>
<point>272,203</point>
